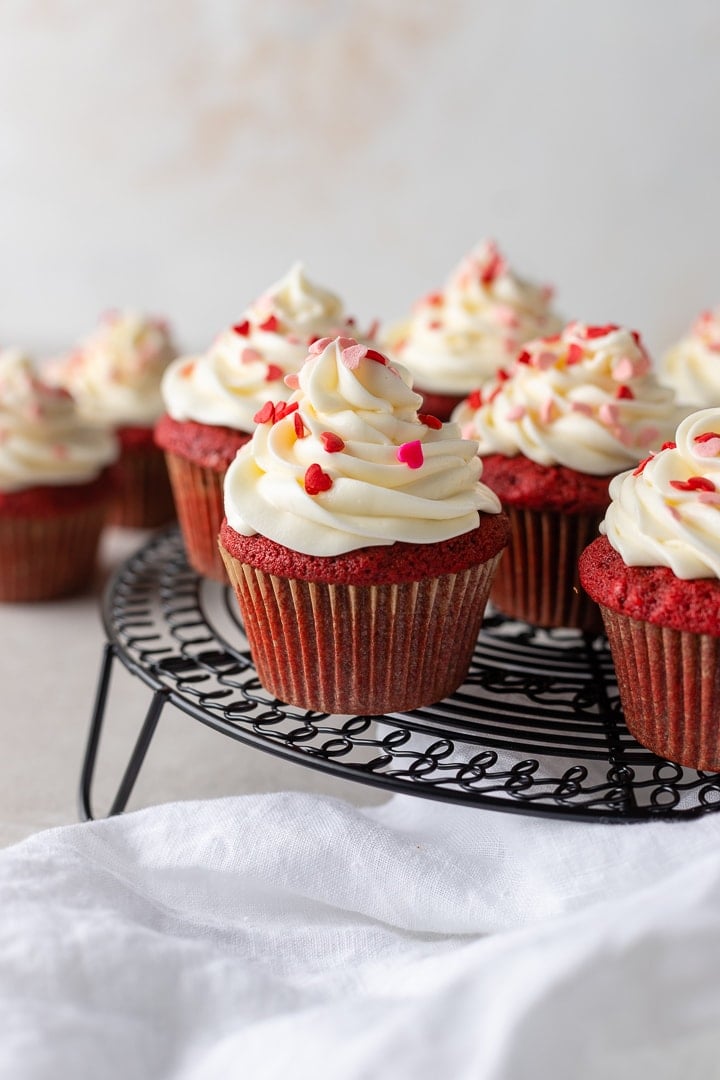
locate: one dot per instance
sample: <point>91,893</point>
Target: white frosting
<point>248,362</point>
<point>459,337</point>
<point>42,438</point>
<point>692,367</point>
<point>375,495</point>
<point>585,399</point>
<point>653,522</point>
<point>114,375</point>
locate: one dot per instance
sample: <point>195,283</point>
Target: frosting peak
<point>666,512</point>
<point>585,398</point>
<point>115,373</point>
<point>692,367</point>
<point>459,337</point>
<point>348,463</point>
<point>42,438</point>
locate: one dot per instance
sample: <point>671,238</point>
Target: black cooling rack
<point>537,727</point>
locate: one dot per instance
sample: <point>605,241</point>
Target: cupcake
<point>692,367</point>
<point>457,338</point>
<point>212,401</point>
<point>573,410</point>
<point>114,376</point>
<point>359,540</point>
<point>55,488</point>
<point>655,574</point>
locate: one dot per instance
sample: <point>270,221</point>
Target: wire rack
<point>536,728</point>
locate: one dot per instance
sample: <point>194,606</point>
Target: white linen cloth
<point>298,936</point>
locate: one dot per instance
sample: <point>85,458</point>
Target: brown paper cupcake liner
<point>669,683</point>
<point>361,649</point>
<point>45,558</point>
<point>143,498</point>
<point>538,581</point>
<point>198,493</point>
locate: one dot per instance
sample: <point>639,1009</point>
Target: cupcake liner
<point>669,683</point>
<point>370,649</point>
<point>46,557</point>
<point>143,498</point>
<point>198,492</point>
<point>537,581</point>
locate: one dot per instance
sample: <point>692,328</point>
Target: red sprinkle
<point>432,421</point>
<point>694,483</point>
<point>410,454</point>
<point>242,328</point>
<point>266,415</point>
<point>299,426</point>
<point>643,463</point>
<point>273,373</point>
<point>475,399</point>
<point>285,408</point>
<point>331,442</point>
<point>435,324</point>
<point>575,353</point>
<point>624,392</point>
<point>524,357</point>
<point>502,375</point>
<point>316,480</point>
<point>600,331</point>
<point>271,324</point>
<point>434,299</point>
<point>494,267</point>
<point>669,445</point>
<point>706,436</point>
<point>373,354</point>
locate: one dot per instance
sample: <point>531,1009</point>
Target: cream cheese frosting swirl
<point>585,398</point>
<point>115,374</point>
<point>43,440</point>
<point>348,463</point>
<point>248,361</point>
<point>459,337</point>
<point>667,511</point>
<point>692,367</point>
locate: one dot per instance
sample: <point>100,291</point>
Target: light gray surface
<point>49,663</point>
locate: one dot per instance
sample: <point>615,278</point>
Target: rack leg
<point>91,750</point>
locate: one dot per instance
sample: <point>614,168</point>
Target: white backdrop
<point>179,155</point>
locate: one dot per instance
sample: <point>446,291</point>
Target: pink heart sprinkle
<point>292,381</point>
<point>352,355</point>
<point>544,360</point>
<point>609,414</point>
<point>709,448</point>
<point>411,454</point>
<point>581,407</point>
<point>547,411</point>
<point>346,342</point>
<point>517,412</point>
<point>250,356</point>
<point>624,370</point>
<point>319,346</point>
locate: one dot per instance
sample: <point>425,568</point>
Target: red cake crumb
<point>51,500</point>
<point>522,483</point>
<point>208,445</point>
<point>382,565</point>
<point>650,593</point>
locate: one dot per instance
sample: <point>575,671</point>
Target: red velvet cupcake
<point>458,337</point>
<point>656,576</point>
<point>55,488</point>
<point>114,376</point>
<point>359,540</point>
<point>571,412</point>
<point>212,401</point>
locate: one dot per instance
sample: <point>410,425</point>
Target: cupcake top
<point>43,440</point>
<point>692,367</point>
<point>349,463</point>
<point>460,336</point>
<point>666,512</point>
<point>115,373</point>
<point>585,398</point>
<point>248,361</point>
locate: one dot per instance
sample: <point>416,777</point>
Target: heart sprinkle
<point>299,426</point>
<point>242,328</point>
<point>352,355</point>
<point>411,454</point>
<point>693,483</point>
<point>271,324</point>
<point>266,415</point>
<point>430,421</point>
<point>316,480</point>
<point>274,373</point>
<point>332,442</point>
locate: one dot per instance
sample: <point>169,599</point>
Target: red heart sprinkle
<point>574,353</point>
<point>266,415</point>
<point>502,375</point>
<point>284,408</point>
<point>430,421</point>
<point>332,442</point>
<point>600,331</point>
<point>641,466</point>
<point>475,399</point>
<point>434,299</point>
<point>274,373</point>
<point>524,357</point>
<point>373,354</point>
<point>669,445</point>
<point>624,392</point>
<point>271,324</point>
<point>242,328</point>
<point>299,426</point>
<point>316,480</point>
<point>693,483</point>
<point>411,454</point>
